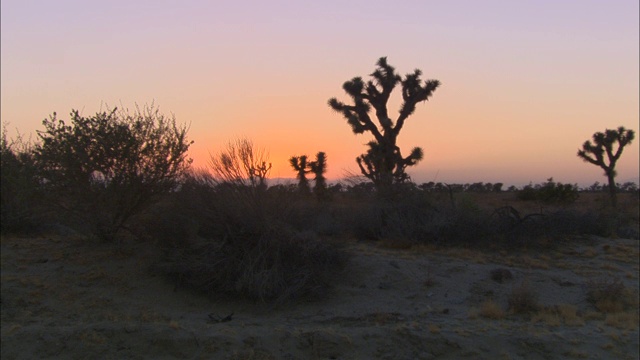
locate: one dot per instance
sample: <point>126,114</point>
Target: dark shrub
<point>274,265</point>
<point>246,247</point>
<point>550,193</point>
<point>20,205</point>
<point>106,168</point>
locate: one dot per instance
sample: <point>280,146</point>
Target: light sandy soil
<point>66,297</point>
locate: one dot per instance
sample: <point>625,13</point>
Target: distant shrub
<point>550,193</point>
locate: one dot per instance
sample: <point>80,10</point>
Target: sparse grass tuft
<point>609,295</point>
<point>559,314</point>
<point>627,320</point>
<point>488,309</point>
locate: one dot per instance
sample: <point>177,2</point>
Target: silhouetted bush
<point>106,168</point>
<point>550,193</point>
<point>431,218</point>
<point>246,245</point>
<point>275,264</point>
<point>20,205</point>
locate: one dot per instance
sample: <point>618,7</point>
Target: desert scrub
<point>610,295</point>
<point>488,309</point>
<point>550,192</point>
<point>272,265</point>
<point>558,314</point>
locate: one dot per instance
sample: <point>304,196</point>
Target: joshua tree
<point>319,167</point>
<point>603,143</point>
<point>300,165</point>
<point>383,163</point>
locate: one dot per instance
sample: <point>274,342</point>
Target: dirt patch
<point>66,297</point>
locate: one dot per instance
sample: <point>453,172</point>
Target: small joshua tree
<point>603,143</point>
<point>300,165</point>
<point>383,162</point>
<point>319,167</point>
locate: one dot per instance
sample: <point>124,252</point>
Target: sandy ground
<point>65,297</point>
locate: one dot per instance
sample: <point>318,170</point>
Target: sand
<point>68,297</point>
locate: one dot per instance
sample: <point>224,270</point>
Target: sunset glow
<point>524,83</point>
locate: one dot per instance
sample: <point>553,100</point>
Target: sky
<point>524,83</point>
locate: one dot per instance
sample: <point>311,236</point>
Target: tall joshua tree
<point>300,165</point>
<point>319,167</point>
<point>603,143</point>
<point>383,162</point>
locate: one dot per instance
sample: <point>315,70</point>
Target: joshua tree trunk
<point>611,176</point>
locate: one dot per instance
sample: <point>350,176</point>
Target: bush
<point>550,193</point>
<point>274,265</point>
<point>19,186</point>
<point>610,295</point>
<point>246,245</point>
<point>109,167</point>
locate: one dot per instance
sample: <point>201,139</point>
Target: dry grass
<point>610,295</point>
<point>434,329</point>
<point>590,253</point>
<point>623,320</point>
<point>559,314</point>
<point>488,309</point>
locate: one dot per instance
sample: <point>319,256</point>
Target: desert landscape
<point>319,180</point>
<point>66,296</point>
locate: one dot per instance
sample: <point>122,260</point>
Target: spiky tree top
<point>375,94</point>
<point>302,168</point>
<point>603,144</point>
<point>319,167</point>
<point>383,162</point>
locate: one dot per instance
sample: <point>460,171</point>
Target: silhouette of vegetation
<point>241,164</point>
<point>318,168</point>
<point>246,243</point>
<point>550,192</point>
<point>108,167</point>
<point>603,143</point>
<point>383,162</point>
<point>19,185</point>
<point>302,168</point>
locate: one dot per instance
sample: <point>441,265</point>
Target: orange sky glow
<point>524,83</point>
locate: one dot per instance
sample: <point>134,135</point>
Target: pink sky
<point>524,83</point>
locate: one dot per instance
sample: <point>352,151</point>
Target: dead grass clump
<point>559,314</point>
<point>272,265</point>
<point>548,317</point>
<point>609,295</point>
<point>523,300</point>
<point>623,320</point>
<point>488,309</point>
